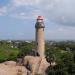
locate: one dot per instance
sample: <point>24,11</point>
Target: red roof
<point>40,18</point>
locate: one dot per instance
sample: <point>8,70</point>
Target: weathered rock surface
<point>36,65</point>
<point>10,68</point>
<point>43,66</point>
<point>33,65</point>
<point>11,63</point>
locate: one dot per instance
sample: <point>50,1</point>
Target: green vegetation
<point>25,48</point>
<point>11,50</point>
<point>8,53</point>
<point>62,53</point>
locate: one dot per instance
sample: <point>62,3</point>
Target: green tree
<point>25,48</point>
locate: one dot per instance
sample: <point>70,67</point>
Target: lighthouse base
<point>43,66</point>
<point>36,65</point>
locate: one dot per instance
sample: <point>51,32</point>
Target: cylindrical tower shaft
<point>40,42</point>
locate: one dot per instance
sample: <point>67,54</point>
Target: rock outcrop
<point>10,68</point>
<point>32,65</point>
<point>11,63</point>
<point>36,65</point>
<point>43,66</point>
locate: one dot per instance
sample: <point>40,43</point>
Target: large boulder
<point>12,69</point>
<point>43,66</point>
<point>11,63</point>
<point>36,64</point>
<point>32,63</point>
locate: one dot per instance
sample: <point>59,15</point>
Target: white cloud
<point>26,15</point>
<point>25,2</point>
<point>61,33</point>
<point>60,29</point>
<point>24,9</point>
<point>3,10</point>
<point>58,11</point>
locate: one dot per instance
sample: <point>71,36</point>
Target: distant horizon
<point>34,39</point>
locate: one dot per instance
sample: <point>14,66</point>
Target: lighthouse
<point>36,62</point>
<point>40,42</point>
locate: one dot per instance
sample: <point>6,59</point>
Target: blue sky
<point>18,18</point>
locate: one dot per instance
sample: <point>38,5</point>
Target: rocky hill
<point>11,68</point>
